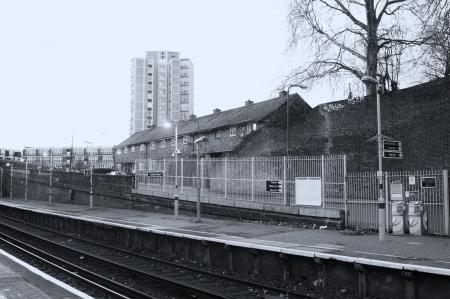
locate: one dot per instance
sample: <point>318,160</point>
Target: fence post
<point>201,178</point>
<point>285,201</point>
<point>345,192</point>
<point>388,208</point>
<point>225,177</point>
<point>253,178</point>
<point>26,179</point>
<point>446,201</point>
<point>136,172</point>
<point>164,176</point>
<point>322,174</point>
<point>1,181</point>
<point>181,176</point>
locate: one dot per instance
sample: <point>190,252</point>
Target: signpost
<point>274,186</point>
<point>155,174</point>
<point>392,149</point>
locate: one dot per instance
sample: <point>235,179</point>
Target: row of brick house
<point>225,131</point>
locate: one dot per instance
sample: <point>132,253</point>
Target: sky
<point>65,65</point>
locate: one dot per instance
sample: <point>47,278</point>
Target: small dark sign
<point>428,182</point>
<point>274,186</point>
<point>155,173</point>
<point>392,155</point>
<point>392,145</point>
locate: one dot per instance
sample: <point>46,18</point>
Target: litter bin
<point>398,217</point>
<point>416,218</point>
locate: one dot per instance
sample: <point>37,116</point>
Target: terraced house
<point>226,132</point>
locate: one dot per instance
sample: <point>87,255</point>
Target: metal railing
<point>245,178</point>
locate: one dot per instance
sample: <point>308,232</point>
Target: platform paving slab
<point>420,253</point>
<point>20,280</point>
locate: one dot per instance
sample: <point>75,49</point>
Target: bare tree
<point>435,55</point>
<point>347,36</point>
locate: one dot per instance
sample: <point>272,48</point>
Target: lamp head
<point>167,125</point>
<point>8,164</point>
<point>200,139</point>
<point>369,79</point>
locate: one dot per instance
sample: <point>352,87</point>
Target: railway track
<point>105,271</point>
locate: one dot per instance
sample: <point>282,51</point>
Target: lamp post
<point>26,177</point>
<point>11,183</point>
<point>50,191</point>
<point>91,182</point>
<point>169,125</point>
<point>198,143</point>
<point>381,201</point>
<point>287,115</point>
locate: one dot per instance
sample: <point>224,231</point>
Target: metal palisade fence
<point>362,196</point>
<point>245,178</point>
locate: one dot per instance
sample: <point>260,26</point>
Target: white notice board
<point>308,191</point>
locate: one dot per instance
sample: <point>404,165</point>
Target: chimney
<point>192,116</point>
<point>248,102</point>
<point>217,110</point>
<point>282,93</point>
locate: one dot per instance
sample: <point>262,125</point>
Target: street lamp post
<point>381,200</point>
<point>287,115</point>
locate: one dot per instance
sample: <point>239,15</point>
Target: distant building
<point>162,89</point>
<point>10,154</point>
<point>68,157</point>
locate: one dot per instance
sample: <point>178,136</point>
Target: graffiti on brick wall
<point>333,107</point>
<point>356,100</point>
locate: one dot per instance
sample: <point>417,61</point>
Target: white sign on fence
<point>308,191</point>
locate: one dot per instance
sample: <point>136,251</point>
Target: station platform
<point>428,254</point>
<point>21,280</point>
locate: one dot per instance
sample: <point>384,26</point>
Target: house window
<point>126,150</point>
<point>218,134</point>
<point>132,148</point>
<point>249,128</point>
<point>172,142</point>
<point>152,144</point>
<point>119,152</point>
<point>142,147</point>
<point>185,139</point>
<point>163,143</point>
<point>233,131</point>
<point>254,127</point>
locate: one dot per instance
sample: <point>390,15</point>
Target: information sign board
<point>391,145</point>
<point>392,155</point>
<point>308,191</point>
<point>428,182</point>
<point>274,186</point>
<point>155,173</point>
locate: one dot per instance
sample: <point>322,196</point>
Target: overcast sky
<point>65,65</point>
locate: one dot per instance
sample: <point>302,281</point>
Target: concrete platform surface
<point>428,254</point>
<point>21,280</point>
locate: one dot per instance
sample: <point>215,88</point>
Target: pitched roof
<point>245,114</point>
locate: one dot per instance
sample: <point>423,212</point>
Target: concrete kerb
<point>318,212</point>
<point>239,243</point>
